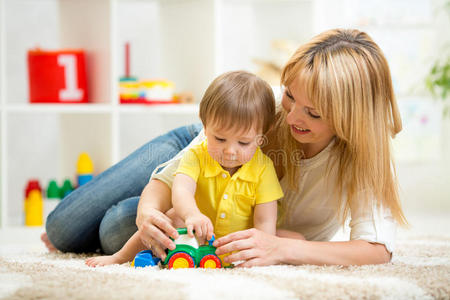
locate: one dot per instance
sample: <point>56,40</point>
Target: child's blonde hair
<point>240,100</point>
<point>347,79</point>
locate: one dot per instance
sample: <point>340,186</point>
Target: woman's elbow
<point>381,254</point>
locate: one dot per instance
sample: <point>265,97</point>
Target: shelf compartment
<point>56,24</point>
<point>139,127</point>
<point>191,42</point>
<point>46,146</point>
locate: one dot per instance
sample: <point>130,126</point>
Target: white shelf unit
<point>187,41</point>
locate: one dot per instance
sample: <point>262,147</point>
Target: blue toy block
<point>83,179</point>
<point>145,258</point>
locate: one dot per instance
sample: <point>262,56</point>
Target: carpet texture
<point>420,269</point>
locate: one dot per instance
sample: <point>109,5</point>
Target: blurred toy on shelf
<point>152,91</point>
<point>33,204</point>
<point>270,68</point>
<point>38,205</point>
<point>66,188</point>
<point>146,92</point>
<point>57,76</point>
<point>127,77</point>
<point>32,184</point>
<point>85,168</point>
<point>52,199</point>
<point>184,97</point>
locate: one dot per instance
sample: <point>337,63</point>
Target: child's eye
<point>244,143</point>
<point>219,139</point>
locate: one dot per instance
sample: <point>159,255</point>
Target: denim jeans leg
<point>74,225</point>
<point>118,225</point>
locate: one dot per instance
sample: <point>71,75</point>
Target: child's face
<point>231,149</point>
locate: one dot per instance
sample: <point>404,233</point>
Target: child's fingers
<point>210,231</point>
<point>190,229</point>
<point>198,231</point>
<point>205,230</point>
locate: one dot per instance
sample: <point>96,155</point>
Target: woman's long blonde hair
<point>348,81</point>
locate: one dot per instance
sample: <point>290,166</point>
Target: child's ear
<point>261,140</point>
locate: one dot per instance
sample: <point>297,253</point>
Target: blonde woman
<point>331,149</point>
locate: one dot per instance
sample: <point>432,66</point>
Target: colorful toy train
<point>187,254</point>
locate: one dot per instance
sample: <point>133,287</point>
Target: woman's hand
<point>155,228</point>
<point>255,248</point>
<point>153,225</point>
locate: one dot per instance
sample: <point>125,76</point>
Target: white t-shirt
<point>312,210</point>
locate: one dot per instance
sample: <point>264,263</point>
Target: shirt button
<point>223,215</point>
<point>224,175</point>
<point>225,196</point>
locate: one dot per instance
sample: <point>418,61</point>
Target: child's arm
<point>265,217</point>
<point>132,247</point>
<point>183,201</point>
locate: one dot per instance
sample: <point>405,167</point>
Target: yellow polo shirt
<point>229,201</point>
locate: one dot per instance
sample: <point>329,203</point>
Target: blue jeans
<point>101,214</point>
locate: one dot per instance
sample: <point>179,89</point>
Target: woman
<point>331,148</point>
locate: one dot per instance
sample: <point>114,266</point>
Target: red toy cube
<point>57,76</point>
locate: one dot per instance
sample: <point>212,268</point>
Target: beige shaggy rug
<point>420,269</point>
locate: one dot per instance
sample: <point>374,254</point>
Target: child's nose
<point>229,150</point>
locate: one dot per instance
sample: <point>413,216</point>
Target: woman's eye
<point>311,114</point>
<point>289,96</point>
<point>220,139</point>
<point>244,143</point>
<point>314,116</point>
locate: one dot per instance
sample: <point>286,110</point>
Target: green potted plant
<point>438,79</point>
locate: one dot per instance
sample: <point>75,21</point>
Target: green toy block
<point>53,191</point>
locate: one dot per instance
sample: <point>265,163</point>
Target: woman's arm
<point>156,195</point>
<point>265,217</point>
<point>356,252</point>
<point>257,248</point>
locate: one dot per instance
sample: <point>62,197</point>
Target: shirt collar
<point>250,170</point>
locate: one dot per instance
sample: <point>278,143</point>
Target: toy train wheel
<point>210,261</point>
<point>181,260</point>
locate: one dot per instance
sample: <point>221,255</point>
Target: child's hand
<point>201,224</point>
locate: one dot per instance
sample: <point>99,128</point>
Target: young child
<point>224,184</point>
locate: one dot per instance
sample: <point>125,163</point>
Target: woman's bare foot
<point>105,260</point>
<point>48,244</point>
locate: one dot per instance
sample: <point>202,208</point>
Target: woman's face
<point>306,125</point>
